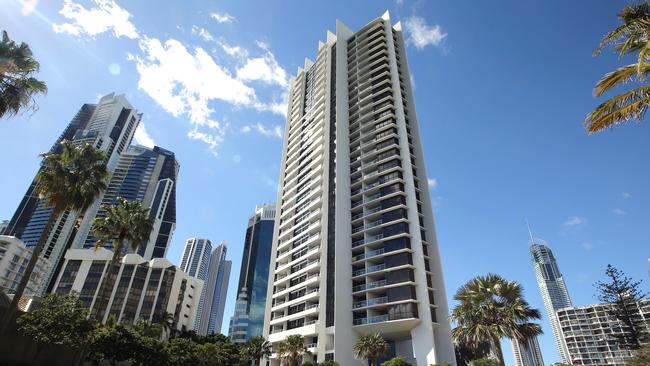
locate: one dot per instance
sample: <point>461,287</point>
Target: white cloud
<point>619,212</point>
<point>275,131</point>
<point>233,50</point>
<point>203,33</point>
<point>142,137</point>
<point>222,18</point>
<point>433,183</point>
<point>107,16</point>
<point>420,34</point>
<point>211,139</point>
<point>573,221</point>
<point>626,195</point>
<point>265,69</point>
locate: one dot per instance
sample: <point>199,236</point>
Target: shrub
<point>485,361</point>
<point>396,361</point>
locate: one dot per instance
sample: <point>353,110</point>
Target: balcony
<point>370,269</point>
<point>366,200</point>
<point>367,240</point>
<point>369,254</point>
<point>370,302</point>
<point>366,213</point>
<point>367,226</point>
<point>371,320</point>
<point>368,286</point>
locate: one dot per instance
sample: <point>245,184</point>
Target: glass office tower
<point>196,263</point>
<point>354,247</point>
<point>248,320</point>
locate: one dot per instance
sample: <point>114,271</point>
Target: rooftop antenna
<point>532,241</point>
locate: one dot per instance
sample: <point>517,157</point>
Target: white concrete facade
<point>527,353</point>
<point>354,247</point>
<point>587,333</point>
<point>552,288</point>
<point>142,289</point>
<point>14,256</point>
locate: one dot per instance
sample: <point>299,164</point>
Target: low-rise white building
<point>141,289</point>
<point>589,333</point>
<point>14,256</point>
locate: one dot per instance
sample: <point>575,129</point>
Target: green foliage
<point>629,38</point>
<point>309,363</point>
<point>181,352</point>
<point>370,347</point>
<point>485,361</point>
<point>623,294</point>
<point>396,361</point>
<point>292,349</point>
<point>328,363</point>
<point>641,357</point>
<point>146,328</point>
<point>441,364</point>
<point>490,308</point>
<point>70,178</point>
<point>255,349</point>
<point>114,343</point>
<point>18,86</point>
<point>61,319</point>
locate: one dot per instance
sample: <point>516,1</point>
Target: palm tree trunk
<point>104,288</point>
<point>499,352</point>
<point>36,252</point>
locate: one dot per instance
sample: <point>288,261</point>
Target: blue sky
<point>501,90</point>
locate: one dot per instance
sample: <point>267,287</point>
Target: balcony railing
<point>370,269</point>
<point>368,226</point>
<point>368,286</point>
<point>369,254</point>
<point>366,213</point>
<point>370,302</point>
<point>371,320</point>
<point>369,239</point>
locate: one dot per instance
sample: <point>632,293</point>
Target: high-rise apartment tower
<point>196,263</point>
<point>527,353</point>
<point>552,287</point>
<point>109,126</point>
<point>354,247</point>
<point>216,291</point>
<point>253,276</point>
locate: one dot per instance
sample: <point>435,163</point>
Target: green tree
<point>370,347</point>
<point>125,223</point>
<point>181,352</point>
<point>328,363</point>
<point>485,361</point>
<point>147,328</point>
<point>60,320</point>
<point>465,354</point>
<point>396,361</point>
<point>490,308</point>
<point>629,38</point>
<point>18,86</point>
<point>292,350</point>
<point>255,349</point>
<point>623,294</point>
<point>211,354</point>
<point>641,357</point>
<point>70,179</point>
<point>114,343</point>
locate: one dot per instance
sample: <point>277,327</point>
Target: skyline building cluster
<point>348,248</point>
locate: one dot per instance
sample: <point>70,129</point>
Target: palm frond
<point>623,107</point>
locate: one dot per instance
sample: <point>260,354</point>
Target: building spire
<point>530,233</point>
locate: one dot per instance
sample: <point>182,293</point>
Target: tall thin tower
<point>354,247</point>
<point>552,287</point>
<point>527,353</point>
<point>216,291</point>
<point>196,263</point>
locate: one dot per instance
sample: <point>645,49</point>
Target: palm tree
<point>292,349</point>
<point>18,86</point>
<point>69,179</point>
<point>126,222</point>
<point>490,308</point>
<point>370,347</point>
<point>168,323</point>
<point>631,37</point>
<point>256,348</point>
